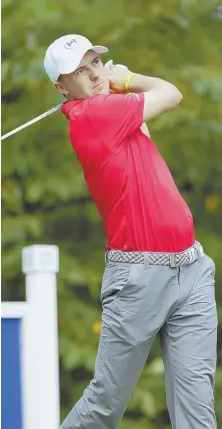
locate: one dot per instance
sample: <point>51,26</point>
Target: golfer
<point>157,279</point>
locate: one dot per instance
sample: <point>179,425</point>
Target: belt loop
<point>146,260</point>
<point>200,252</point>
<point>192,254</point>
<point>173,260</point>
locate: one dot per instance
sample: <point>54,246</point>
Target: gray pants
<point>140,302</point>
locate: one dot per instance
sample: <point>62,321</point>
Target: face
<point>89,79</point>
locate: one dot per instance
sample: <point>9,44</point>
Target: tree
<point>45,199</point>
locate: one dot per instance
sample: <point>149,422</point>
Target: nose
<point>94,74</point>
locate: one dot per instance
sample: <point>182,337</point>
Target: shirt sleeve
<point>115,116</point>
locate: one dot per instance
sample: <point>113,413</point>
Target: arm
<point>159,96</point>
<point>116,115</point>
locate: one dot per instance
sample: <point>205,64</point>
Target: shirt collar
<point>68,106</point>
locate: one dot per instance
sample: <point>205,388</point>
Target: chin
<point>103,89</point>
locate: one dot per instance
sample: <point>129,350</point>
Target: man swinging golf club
<point>157,280</point>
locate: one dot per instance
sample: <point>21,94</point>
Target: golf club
<point>38,118</point>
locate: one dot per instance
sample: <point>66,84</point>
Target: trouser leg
<point>188,341</point>
<point>135,304</point>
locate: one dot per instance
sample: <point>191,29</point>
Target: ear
<point>61,88</point>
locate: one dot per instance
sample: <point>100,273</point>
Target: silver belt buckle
<point>173,261</point>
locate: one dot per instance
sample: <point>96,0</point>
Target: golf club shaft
<point>38,118</point>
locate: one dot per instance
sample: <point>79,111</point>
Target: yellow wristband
<point>127,81</point>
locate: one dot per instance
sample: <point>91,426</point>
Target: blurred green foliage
<point>44,197</point>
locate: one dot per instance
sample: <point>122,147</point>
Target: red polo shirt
<point>128,179</point>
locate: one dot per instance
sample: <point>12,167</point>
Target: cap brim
<point>100,49</point>
<point>72,67</point>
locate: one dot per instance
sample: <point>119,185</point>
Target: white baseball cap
<point>64,54</point>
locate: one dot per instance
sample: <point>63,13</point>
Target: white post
<point>40,368</point>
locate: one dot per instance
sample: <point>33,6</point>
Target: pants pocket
<point>115,280</point>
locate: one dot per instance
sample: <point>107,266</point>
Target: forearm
<point>159,96</point>
<point>141,83</point>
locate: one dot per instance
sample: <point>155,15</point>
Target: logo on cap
<point>69,45</point>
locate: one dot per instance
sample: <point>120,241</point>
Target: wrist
<point>127,81</point>
<point>138,83</point>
